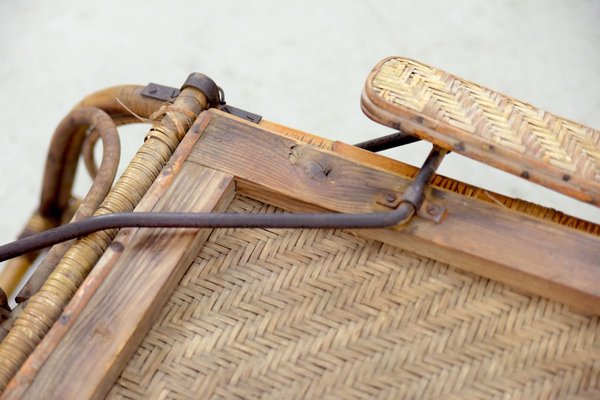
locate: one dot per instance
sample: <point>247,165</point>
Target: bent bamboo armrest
<point>485,125</point>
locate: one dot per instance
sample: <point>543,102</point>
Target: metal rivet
<point>432,209</point>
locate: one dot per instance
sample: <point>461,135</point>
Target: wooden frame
<point>112,311</point>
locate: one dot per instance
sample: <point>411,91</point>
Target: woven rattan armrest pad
<point>485,125</point>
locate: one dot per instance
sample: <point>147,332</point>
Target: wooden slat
<point>387,164</point>
<point>528,253</point>
<point>116,318</point>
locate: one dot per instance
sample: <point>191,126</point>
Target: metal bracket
<point>428,210</point>
<point>243,114</point>
<point>389,199</point>
<point>431,211</point>
<point>160,92</point>
<point>415,193</point>
<point>166,93</point>
<point>199,81</point>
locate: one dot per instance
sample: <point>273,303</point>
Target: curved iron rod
<point>387,142</point>
<point>202,220</point>
<point>412,199</point>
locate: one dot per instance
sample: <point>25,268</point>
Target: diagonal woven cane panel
<point>325,314</point>
<point>485,125</point>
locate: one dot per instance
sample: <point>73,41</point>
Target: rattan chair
<point>386,282</point>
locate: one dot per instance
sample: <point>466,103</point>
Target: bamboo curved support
<point>107,171</point>
<point>119,102</point>
<point>45,306</point>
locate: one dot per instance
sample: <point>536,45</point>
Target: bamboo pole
<point>124,104</point>
<point>45,306</point>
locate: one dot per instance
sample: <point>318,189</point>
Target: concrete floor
<point>297,63</point>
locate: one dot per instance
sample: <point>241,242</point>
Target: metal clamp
<point>204,84</point>
<point>214,94</point>
<point>415,193</point>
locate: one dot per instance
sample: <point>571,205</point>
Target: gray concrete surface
<point>298,63</point>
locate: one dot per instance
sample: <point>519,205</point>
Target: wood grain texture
<point>387,164</point>
<point>93,352</point>
<point>305,137</point>
<point>525,252</point>
<point>485,125</point>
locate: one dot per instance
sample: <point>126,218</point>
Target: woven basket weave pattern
<point>567,148</point>
<point>323,313</point>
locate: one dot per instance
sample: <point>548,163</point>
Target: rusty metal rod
<point>387,142</point>
<point>202,220</point>
<point>52,259</point>
<point>224,220</point>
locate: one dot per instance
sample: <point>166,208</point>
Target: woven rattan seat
<point>485,125</point>
<point>325,314</point>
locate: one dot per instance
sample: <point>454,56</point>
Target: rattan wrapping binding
<point>326,314</point>
<point>44,308</point>
<point>485,125</point>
